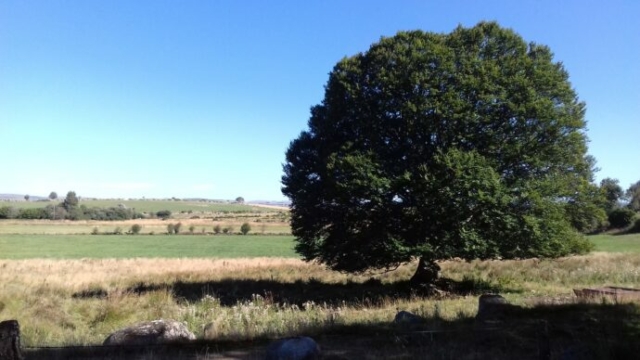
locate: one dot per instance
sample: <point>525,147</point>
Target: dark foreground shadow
<point>368,293</point>
<point>573,331</point>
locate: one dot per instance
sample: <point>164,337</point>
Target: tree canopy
<point>470,144</point>
<point>612,192</point>
<point>633,194</point>
<point>70,201</point>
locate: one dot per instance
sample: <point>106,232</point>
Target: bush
<point>135,229</point>
<point>7,212</point>
<point>176,228</point>
<point>95,231</point>
<point>621,218</point>
<point>635,229</point>
<point>192,228</point>
<point>217,229</point>
<point>163,214</point>
<point>245,228</point>
<point>33,214</point>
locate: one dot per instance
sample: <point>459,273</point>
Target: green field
<point>144,246</point>
<point>194,246</point>
<point>150,205</point>
<point>617,243</point>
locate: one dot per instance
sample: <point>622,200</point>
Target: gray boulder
<point>295,348</point>
<point>150,333</point>
<point>405,317</point>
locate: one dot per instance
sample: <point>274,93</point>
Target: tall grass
<point>62,302</point>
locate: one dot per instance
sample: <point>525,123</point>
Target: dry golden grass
<point>82,301</point>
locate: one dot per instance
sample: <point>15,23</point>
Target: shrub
<point>135,229</point>
<point>225,230</point>
<point>245,228</point>
<point>7,212</point>
<point>192,228</point>
<point>33,214</point>
<point>95,231</point>
<point>621,218</point>
<point>163,214</point>
<point>217,229</point>
<point>635,229</point>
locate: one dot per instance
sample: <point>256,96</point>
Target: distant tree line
<point>69,209</point>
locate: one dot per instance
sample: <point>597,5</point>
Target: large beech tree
<point>433,146</point>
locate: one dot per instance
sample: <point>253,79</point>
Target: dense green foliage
<point>635,228</point>
<point>33,214</point>
<point>7,212</point>
<point>621,218</point>
<point>163,214</point>
<point>470,144</point>
<point>612,193</point>
<point>633,194</point>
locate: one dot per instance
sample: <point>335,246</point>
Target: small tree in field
<point>245,228</point>
<point>70,202</point>
<point>240,200</point>
<point>217,229</point>
<point>434,146</point>
<point>26,197</point>
<point>135,229</point>
<point>53,196</point>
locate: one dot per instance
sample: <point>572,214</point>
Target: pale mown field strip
<point>156,226</point>
<point>55,303</point>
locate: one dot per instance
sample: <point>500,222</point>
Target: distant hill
<point>20,197</point>
<point>270,203</point>
<point>17,197</point>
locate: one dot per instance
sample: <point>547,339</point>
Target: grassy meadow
<point>68,287</point>
<point>250,300</point>
<point>144,246</point>
<point>629,243</point>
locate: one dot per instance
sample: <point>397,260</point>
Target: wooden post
<point>10,340</point>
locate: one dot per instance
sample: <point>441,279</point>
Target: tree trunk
<point>426,273</point>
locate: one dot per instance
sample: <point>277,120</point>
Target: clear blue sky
<point>201,98</point>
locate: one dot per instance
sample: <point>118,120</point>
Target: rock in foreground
<point>151,333</point>
<point>296,348</point>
